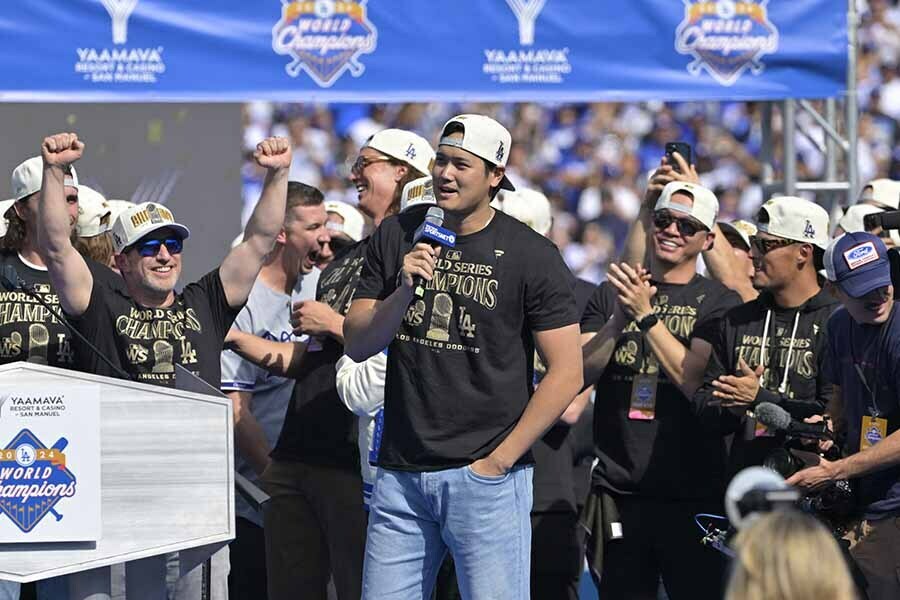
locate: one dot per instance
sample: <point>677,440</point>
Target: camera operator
<point>864,357</point>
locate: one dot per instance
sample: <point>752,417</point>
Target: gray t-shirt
<point>267,315</point>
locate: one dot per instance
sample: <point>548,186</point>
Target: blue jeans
<point>415,518</point>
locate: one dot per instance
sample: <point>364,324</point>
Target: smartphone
<point>682,148</point>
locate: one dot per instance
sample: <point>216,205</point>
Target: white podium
<point>166,485</point>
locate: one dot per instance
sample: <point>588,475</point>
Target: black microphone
<point>431,232</point>
<point>775,417</point>
<point>10,281</point>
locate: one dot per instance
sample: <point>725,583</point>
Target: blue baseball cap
<point>858,262</point>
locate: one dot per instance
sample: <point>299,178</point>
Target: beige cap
<point>26,178</point>
<point>884,193</point>
<point>405,146</point>
<point>797,219</point>
<point>354,224</point>
<point>704,208</point>
<point>528,206</point>
<point>743,229</point>
<point>92,207</point>
<point>5,205</point>
<point>418,192</point>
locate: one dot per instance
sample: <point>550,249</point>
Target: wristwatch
<point>647,322</point>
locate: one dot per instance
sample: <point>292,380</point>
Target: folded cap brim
<point>506,184</point>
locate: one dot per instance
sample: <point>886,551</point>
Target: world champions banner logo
<point>325,38</point>
<point>33,479</point>
<point>726,37</point>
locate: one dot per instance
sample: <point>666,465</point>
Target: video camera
<point>885,222</point>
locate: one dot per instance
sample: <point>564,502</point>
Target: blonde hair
<point>788,555</point>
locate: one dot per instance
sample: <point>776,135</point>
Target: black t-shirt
<point>673,455</point>
<point>147,343</point>
<point>460,368</point>
<point>318,428</point>
<point>28,331</point>
<point>554,468</point>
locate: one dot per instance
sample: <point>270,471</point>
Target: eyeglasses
<point>764,246</point>
<point>362,162</point>
<point>151,247</point>
<point>686,227</point>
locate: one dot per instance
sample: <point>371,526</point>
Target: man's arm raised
<point>71,278</point>
<point>242,264</point>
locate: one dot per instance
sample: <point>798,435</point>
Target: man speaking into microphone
<point>460,415</point>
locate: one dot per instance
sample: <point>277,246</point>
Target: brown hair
<point>98,248</point>
<point>301,194</point>
<point>15,231</point>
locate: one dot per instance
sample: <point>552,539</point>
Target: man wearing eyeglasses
<point>148,328</point>
<point>647,339</point>
<point>773,349</point>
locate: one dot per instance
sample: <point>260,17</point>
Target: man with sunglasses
<point>772,349</point>
<point>647,338</point>
<point>864,359</point>
<point>147,328</point>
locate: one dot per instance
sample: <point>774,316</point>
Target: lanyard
<point>873,405</point>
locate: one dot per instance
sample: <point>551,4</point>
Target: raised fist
<point>273,153</point>
<point>61,149</point>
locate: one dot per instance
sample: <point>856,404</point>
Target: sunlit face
<point>27,208</point>
<point>677,237</point>
<point>157,273</point>
<point>461,182</point>
<point>775,260</point>
<point>872,309</point>
<point>304,234</point>
<point>376,178</point>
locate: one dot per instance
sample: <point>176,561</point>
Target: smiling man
<point>647,341</point>
<point>148,328</point>
<point>460,412</point>
<point>772,349</point>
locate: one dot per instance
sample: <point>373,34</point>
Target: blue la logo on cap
<point>860,255</point>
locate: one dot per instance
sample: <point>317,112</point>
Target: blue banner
<point>421,50</point>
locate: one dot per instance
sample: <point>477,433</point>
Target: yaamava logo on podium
<point>33,479</point>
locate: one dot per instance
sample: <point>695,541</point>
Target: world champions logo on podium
<point>726,37</point>
<point>33,479</point>
<point>325,38</point>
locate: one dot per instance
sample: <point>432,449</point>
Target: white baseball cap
<point>883,192</point>
<point>26,178</point>
<point>743,229</point>
<point>405,146</point>
<point>704,208</point>
<point>528,206</point>
<point>92,207</point>
<point>354,224</point>
<point>418,192</point>
<point>116,208</point>
<point>794,218</point>
<point>5,205</point>
<point>141,219</point>
<point>852,220</point>
<point>484,137</point>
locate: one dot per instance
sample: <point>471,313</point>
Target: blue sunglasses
<point>151,247</point>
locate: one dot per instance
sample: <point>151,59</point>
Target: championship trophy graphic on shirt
<point>441,312</point>
<point>38,340</point>
<point>162,357</point>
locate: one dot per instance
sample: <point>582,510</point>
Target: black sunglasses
<point>151,247</point>
<point>686,227</point>
<point>764,246</point>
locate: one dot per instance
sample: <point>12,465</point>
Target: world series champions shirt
<point>28,331</point>
<point>460,367</point>
<point>673,454</point>
<point>147,343</point>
